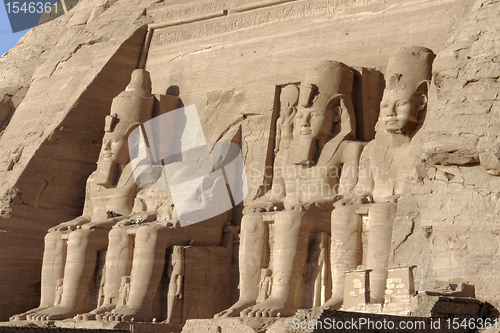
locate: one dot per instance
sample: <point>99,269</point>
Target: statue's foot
<point>125,313</point>
<point>57,312</point>
<point>234,311</point>
<point>94,314</point>
<point>333,303</point>
<point>23,316</point>
<point>271,307</point>
<point>35,317</point>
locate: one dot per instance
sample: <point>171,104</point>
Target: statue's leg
<point>380,218</point>
<point>151,242</point>
<point>291,242</point>
<point>54,256</point>
<point>345,251</point>
<point>118,264</point>
<point>83,248</point>
<point>251,253</point>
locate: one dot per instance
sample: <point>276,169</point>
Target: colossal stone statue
<point>138,250</point>
<point>72,248</point>
<point>306,182</point>
<point>384,169</point>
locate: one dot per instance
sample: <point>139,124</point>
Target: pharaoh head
<point>129,109</point>
<point>405,96</point>
<point>324,111</point>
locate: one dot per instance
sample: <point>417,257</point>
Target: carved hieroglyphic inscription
<point>252,19</point>
<point>166,13</point>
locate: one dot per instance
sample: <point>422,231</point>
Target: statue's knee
<point>382,213</point>
<point>145,234</point>
<point>252,224</point>
<point>79,237</point>
<point>116,236</point>
<point>290,221</point>
<point>345,220</point>
<point>343,212</point>
<point>52,239</point>
<point>79,234</point>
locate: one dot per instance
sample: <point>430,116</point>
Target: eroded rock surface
<point>232,59</point>
<point>448,217</point>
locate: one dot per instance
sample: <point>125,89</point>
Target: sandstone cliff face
<point>57,85</point>
<point>449,216</point>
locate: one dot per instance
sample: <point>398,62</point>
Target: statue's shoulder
<point>350,147</point>
<point>353,144</point>
<point>369,146</point>
<point>91,178</point>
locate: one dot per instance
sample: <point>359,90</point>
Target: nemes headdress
<point>408,68</point>
<point>329,84</point>
<point>325,81</point>
<point>132,106</point>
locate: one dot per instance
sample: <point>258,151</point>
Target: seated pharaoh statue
<point>72,248</point>
<point>384,170</point>
<point>110,263</point>
<point>138,252</point>
<point>312,148</point>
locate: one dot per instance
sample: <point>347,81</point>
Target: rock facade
<point>231,59</point>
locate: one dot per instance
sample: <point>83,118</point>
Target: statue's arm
<point>86,215</point>
<point>275,197</point>
<point>124,220</point>
<point>350,168</point>
<point>365,183</point>
<point>277,193</point>
<point>362,192</point>
<point>87,206</point>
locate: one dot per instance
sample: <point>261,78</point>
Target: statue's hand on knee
<point>264,206</point>
<point>353,200</point>
<point>392,198</point>
<point>325,204</point>
<point>105,224</point>
<point>303,206</point>
<point>136,218</point>
<point>71,225</point>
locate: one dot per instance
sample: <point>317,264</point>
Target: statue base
<point>96,326</point>
<point>237,325</point>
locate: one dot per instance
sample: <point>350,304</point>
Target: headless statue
<point>384,168</point>
<point>306,183</point>
<point>71,248</point>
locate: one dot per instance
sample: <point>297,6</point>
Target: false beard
<point>106,173</point>
<point>304,152</point>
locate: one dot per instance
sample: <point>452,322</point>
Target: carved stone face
<point>398,111</point>
<point>115,147</point>
<point>313,123</point>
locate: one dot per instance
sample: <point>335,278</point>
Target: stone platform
<point>237,325</point>
<point>431,313</point>
<point>70,326</point>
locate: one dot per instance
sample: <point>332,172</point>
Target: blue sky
<point>7,38</point>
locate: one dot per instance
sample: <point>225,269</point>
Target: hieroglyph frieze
<point>231,22</point>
